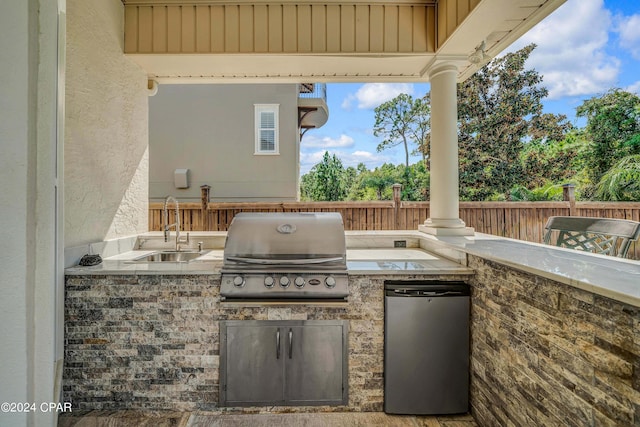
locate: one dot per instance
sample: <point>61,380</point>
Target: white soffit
<point>166,68</point>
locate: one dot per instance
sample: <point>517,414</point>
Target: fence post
<point>205,191</point>
<point>396,204</point>
<point>568,195</point>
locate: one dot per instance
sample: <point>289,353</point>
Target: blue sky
<point>584,48</point>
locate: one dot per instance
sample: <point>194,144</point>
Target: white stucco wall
<point>209,129</point>
<point>106,141</point>
<point>16,199</point>
<point>27,207</point>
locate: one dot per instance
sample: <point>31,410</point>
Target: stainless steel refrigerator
<point>426,356</point>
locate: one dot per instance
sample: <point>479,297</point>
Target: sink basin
<point>169,256</point>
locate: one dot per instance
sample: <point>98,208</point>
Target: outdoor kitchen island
<point>554,332</point>
<point>147,336</point>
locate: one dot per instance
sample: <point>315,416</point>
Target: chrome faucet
<point>176,224</point>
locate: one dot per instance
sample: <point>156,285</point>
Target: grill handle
<point>290,343</point>
<point>293,261</point>
<point>278,344</point>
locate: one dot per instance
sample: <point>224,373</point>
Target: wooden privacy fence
<point>517,220</point>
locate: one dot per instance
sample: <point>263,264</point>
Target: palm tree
<point>622,181</point>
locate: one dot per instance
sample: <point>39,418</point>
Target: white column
<point>444,203</point>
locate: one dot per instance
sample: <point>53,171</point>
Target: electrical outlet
<point>399,243</point>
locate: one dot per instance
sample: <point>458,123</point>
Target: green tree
<point>547,191</point>
<point>326,181</point>
<point>499,109</point>
<point>416,187</point>
<point>551,161</point>
<point>613,129</point>
<point>400,121</point>
<point>421,132</point>
<point>622,181</point>
<point>375,184</point>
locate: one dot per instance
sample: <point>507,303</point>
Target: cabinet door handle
<point>278,344</point>
<point>290,343</point>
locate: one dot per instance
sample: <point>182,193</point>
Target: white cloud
<point>571,54</point>
<point>370,95</point>
<point>634,88</point>
<point>371,160</point>
<point>346,103</point>
<point>629,30</point>
<point>327,142</point>
<point>311,159</point>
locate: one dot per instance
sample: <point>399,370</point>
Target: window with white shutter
<point>267,129</point>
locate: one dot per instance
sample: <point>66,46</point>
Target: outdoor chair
<point>597,235</point>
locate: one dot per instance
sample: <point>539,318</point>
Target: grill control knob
<point>238,281</point>
<point>299,282</point>
<point>330,282</point>
<point>269,282</point>
<point>284,281</point>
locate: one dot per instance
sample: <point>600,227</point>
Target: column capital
<point>442,68</point>
<point>445,64</point>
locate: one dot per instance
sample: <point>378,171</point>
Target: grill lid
<point>285,256</point>
<point>298,238</point>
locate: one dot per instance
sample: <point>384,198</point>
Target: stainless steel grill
<point>285,256</point>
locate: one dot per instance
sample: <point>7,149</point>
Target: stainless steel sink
<point>169,256</point>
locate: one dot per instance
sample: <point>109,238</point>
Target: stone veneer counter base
<point>152,341</point>
<point>544,353</point>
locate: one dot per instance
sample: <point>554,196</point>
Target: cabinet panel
<point>283,362</point>
<point>254,366</point>
<point>314,366</point>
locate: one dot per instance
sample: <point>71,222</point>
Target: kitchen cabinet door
<point>315,368</point>
<point>254,371</point>
<point>291,362</point>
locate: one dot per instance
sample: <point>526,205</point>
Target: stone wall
<point>152,342</point>
<point>544,353</point>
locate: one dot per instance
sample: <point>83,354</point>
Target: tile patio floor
<point>204,419</point>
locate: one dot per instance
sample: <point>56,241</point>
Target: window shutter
<point>267,131</point>
<point>266,128</point>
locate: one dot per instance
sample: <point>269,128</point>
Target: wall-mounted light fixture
<point>479,55</point>
<point>152,87</point>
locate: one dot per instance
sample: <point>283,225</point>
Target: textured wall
<point>547,354</point>
<point>106,135</point>
<point>210,130</point>
<point>27,201</point>
<point>152,342</point>
<point>17,202</point>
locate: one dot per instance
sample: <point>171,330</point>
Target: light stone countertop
<point>401,260</point>
<point>615,278</point>
<point>359,261</point>
<point>121,264</point>
<point>373,252</point>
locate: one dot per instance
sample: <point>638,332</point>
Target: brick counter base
<point>547,354</point>
<point>151,342</point>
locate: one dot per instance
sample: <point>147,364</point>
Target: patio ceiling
<point>195,41</point>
